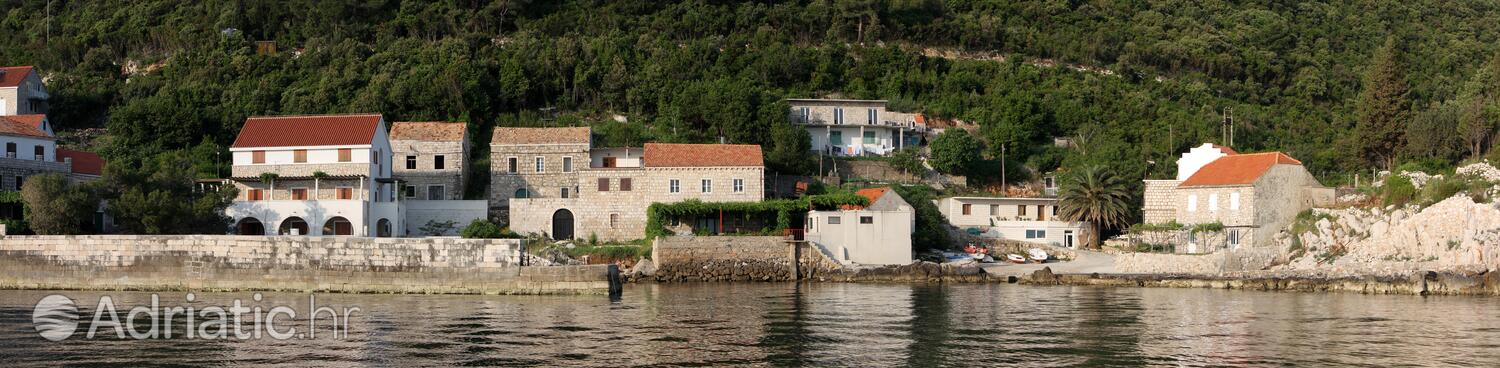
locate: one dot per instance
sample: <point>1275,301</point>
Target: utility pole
<point>1004,186</point>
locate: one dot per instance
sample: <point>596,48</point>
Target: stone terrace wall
<point>722,258</point>
<point>284,263</point>
<point>1224,261</point>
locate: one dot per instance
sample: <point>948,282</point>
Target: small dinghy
<point>1015,258</point>
<point>1038,255</point>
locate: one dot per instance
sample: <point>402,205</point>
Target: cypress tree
<point>1384,107</point>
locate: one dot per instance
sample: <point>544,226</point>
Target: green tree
<point>56,206</point>
<point>157,195</point>
<point>908,161</point>
<point>1094,195</point>
<point>955,152</point>
<point>790,150</point>
<point>1480,99</point>
<point>1384,107</point>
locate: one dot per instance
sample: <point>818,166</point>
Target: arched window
<point>521,193</point>
<point>250,226</point>
<point>338,225</point>
<point>293,226</point>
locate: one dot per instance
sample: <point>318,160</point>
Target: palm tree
<point>1097,196</point>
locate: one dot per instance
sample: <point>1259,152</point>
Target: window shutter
<point>603,184</point>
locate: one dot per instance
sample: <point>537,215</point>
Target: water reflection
<point>823,325</point>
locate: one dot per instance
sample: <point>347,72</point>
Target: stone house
<point>22,91</point>
<point>855,127</point>
<point>536,163</point>
<point>430,159</point>
<point>1014,218</point>
<point>613,191</point>
<point>1252,195</point>
<point>314,175</point>
<point>879,233</point>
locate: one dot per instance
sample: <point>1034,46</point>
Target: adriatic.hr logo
<point>57,317</point>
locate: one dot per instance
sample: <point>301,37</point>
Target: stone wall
<point>1159,202</point>
<point>723,258</point>
<point>546,184</point>
<point>283,263</point>
<point>874,170</point>
<point>11,168</point>
<point>1224,261</point>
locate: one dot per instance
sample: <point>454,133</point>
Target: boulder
<point>644,267</point>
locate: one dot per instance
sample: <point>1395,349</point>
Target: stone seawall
<point>1248,259</point>
<point>284,263</point>
<point>723,258</point>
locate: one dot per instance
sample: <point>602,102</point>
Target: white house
<point>314,175</point>
<point>876,234</point>
<point>855,127</point>
<point>22,91</point>
<point>1025,219</point>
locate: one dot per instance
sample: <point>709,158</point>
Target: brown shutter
<point>346,155</point>
<point>258,157</point>
<point>603,184</point>
<point>624,184</point>
<point>299,155</point>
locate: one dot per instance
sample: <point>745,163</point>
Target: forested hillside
<point>166,75</point>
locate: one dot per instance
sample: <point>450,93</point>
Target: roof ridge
<point>309,116</point>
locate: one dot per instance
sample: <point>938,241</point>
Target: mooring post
<point>616,285</point>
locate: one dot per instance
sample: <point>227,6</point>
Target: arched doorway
<point>250,226</point>
<point>520,193</point>
<point>562,224</point>
<point>383,228</point>
<point>338,225</point>
<point>293,226</point>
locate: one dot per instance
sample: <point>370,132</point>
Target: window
<point>255,195</point>
<point>299,156</point>
<point>437,162</point>
<point>1054,211</point>
<point>20,179</point>
<point>834,220</point>
<point>375,158</point>
<point>872,116</point>
<point>1234,237</point>
<point>994,210</point>
<point>672,186</point>
<point>624,184</point>
<point>603,184</point>
<point>540,163</point>
<point>511,165</point>
<point>567,164</point>
<point>409,191</point>
<point>869,137</point>
<point>346,155</point>
<point>344,193</point>
<point>835,138</point>
<point>256,157</point>
<point>609,162</point>
<point>838,116</point>
<point>866,220</point>
<point>1041,213</point>
<point>739,185</point>
<point>435,192</point>
<point>411,162</point>
<point>804,114</point>
<point>708,186</point>
<point>38,153</point>
<point>614,220</point>
<point>1036,234</point>
<point>564,192</point>
<point>968,209</point>
<point>1234,201</point>
<point>299,194</point>
<point>1020,210</point>
<point>1193,203</point>
<point>1213,202</point>
<point>10,150</point>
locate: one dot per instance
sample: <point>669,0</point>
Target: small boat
<point>1038,255</point>
<point>977,256</point>
<point>1015,258</point>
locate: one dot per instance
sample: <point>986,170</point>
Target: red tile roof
<point>309,130</point>
<point>11,76</point>
<point>541,136</point>
<point>701,155</point>
<point>23,125</point>
<point>1240,169</point>
<point>83,162</point>
<point>1226,150</point>
<point>431,131</point>
<point>872,194</point>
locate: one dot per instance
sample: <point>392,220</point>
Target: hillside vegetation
<point>165,75</point>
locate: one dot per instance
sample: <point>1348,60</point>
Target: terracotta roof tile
<point>541,135</point>
<point>701,155</point>
<point>83,162</point>
<point>308,130</point>
<point>872,194</point>
<point>11,76</point>
<point>1226,150</point>
<point>1239,169</point>
<point>431,131</point>
<point>23,125</point>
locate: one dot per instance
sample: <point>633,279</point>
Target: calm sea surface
<point>861,325</point>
